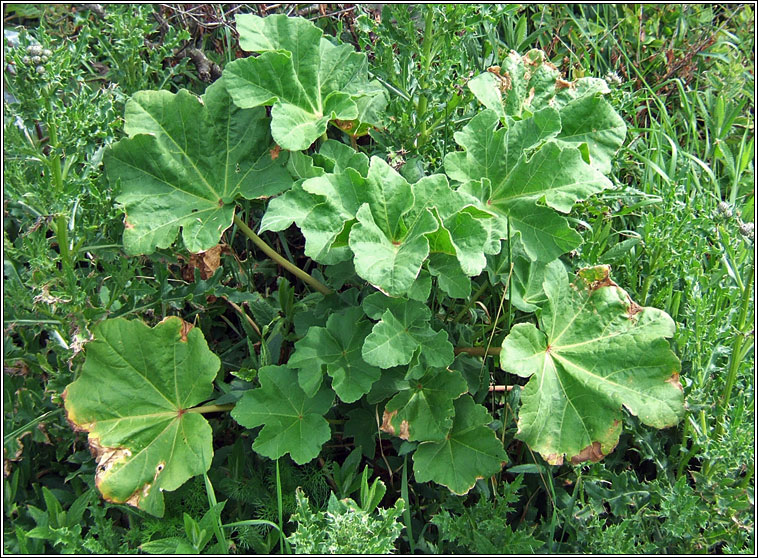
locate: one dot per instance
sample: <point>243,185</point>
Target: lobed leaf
<point>469,452</point>
<point>522,175</point>
<point>292,421</point>
<point>424,410</point>
<point>132,397</point>
<point>403,329</point>
<point>596,351</point>
<point>524,85</point>
<point>308,80</point>
<point>185,162</point>
<point>336,348</point>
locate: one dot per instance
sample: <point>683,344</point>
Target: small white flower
<point>36,59</point>
<point>26,60</point>
<point>34,50</point>
<point>40,70</point>
<point>613,78</point>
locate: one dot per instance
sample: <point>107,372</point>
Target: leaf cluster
<point>541,145</point>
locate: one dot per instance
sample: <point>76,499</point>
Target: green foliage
<point>132,398</point>
<point>469,452</point>
<point>377,372</point>
<point>391,228</point>
<point>596,344</point>
<point>484,528</point>
<point>345,528</point>
<point>308,80</point>
<point>337,347</point>
<point>293,420</point>
<point>184,164</point>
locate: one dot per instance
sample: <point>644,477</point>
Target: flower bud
<point>34,50</point>
<point>36,59</point>
<point>47,52</point>
<point>26,60</point>
<point>748,231</point>
<point>724,209</point>
<point>45,58</point>
<point>40,70</point>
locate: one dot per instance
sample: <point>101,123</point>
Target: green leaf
<point>450,277</point>
<point>292,422</point>
<point>525,292</point>
<point>391,381</point>
<point>362,427</point>
<point>523,86</point>
<point>335,157</point>
<point>521,174</point>
<point>389,239</point>
<point>317,219</point>
<point>322,204</point>
<point>424,411</point>
<point>404,327</point>
<point>336,347</point>
<point>170,545</point>
<point>520,86</point>
<point>185,162</point>
<point>390,225</point>
<point>470,451</point>
<point>132,397</point>
<point>592,120</point>
<point>308,80</point>
<point>596,352</point>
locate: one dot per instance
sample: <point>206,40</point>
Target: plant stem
<point>210,408</point>
<point>278,258</point>
<point>427,61</point>
<point>407,510</point>
<point>54,163</point>
<point>478,351</point>
<point>736,355</point>
<point>474,298</point>
<point>279,508</point>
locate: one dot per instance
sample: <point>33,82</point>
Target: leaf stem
<point>470,303</point>
<point>210,408</point>
<point>278,258</point>
<point>279,508</point>
<point>478,351</point>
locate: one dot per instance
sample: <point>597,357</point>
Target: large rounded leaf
<point>596,351</point>
<point>132,397</point>
<point>184,164</point>
<point>308,80</point>
<point>469,452</point>
<point>523,85</point>
<point>293,422</point>
<point>522,174</point>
